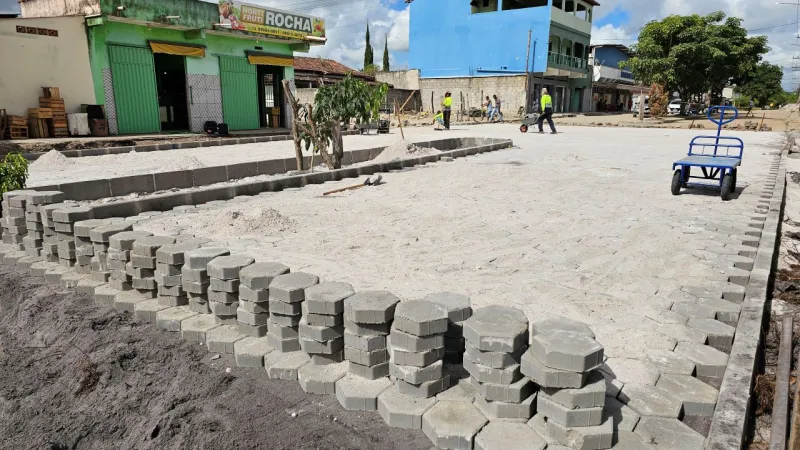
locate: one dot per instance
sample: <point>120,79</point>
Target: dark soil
<point>77,376</point>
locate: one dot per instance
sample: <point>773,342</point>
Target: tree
<point>763,84</point>
<point>369,59</point>
<point>659,101</point>
<point>13,172</point>
<point>695,54</point>
<point>386,55</point>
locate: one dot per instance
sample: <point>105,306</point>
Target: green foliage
<point>695,54</point>
<point>369,58</point>
<point>659,101</point>
<point>763,84</point>
<point>386,55</point>
<point>13,172</point>
<point>370,69</point>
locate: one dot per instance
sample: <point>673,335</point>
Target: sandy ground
<point>77,376</point>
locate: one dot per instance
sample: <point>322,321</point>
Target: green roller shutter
<point>239,93</point>
<point>135,90</point>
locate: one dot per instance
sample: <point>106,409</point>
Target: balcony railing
<point>566,60</point>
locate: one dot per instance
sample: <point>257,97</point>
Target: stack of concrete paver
<point>223,290</point>
<point>100,236</point>
<point>142,269</point>
<point>34,240</point>
<point>169,262</point>
<point>49,235</point>
<point>64,219</point>
<point>496,337</point>
<point>367,321</point>
<point>416,348</point>
<point>14,229</point>
<point>321,327</point>
<point>119,251</point>
<point>459,309</point>
<point>194,276</point>
<point>563,360</point>
<point>286,297</point>
<point>254,297</point>
<point>84,249</point>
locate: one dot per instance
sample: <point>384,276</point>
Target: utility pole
<point>528,73</point>
<point>795,68</point>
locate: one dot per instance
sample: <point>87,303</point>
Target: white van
<point>636,102</point>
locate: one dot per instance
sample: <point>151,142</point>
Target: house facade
<point>485,47</point>
<point>613,88</point>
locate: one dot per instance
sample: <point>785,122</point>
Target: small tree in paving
<point>13,172</point>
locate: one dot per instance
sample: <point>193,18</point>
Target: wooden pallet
<point>18,132</point>
<point>39,128</point>
<point>51,92</point>
<point>40,113</point>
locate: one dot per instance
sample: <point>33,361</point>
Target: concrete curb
<point>733,413</point>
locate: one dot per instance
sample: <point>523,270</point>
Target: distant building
<point>310,72</point>
<point>612,86</point>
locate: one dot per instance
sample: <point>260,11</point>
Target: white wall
<point>510,89</point>
<point>400,79</point>
<point>29,62</point>
<point>56,8</point>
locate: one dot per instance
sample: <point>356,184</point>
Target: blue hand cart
<point>718,157</point>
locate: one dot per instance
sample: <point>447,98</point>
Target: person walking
<point>497,104</point>
<point>488,105</point>
<point>546,107</point>
<point>447,103</point>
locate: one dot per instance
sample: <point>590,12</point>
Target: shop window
<point>569,6</point>
<point>558,4</point>
<point>520,4</point>
<point>483,6</point>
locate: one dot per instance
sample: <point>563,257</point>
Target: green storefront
<point>177,64</point>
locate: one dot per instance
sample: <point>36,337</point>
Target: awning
<point>178,49</point>
<point>270,60</point>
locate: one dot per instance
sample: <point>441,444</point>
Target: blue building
<point>484,41</point>
<point>613,88</point>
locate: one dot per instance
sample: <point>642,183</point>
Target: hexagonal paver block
<point>461,390</point>
<point>544,376</point>
<point>125,240</point>
<point>598,437</point>
<point>453,424</point>
<point>423,390</point>
<point>358,394</point>
<point>418,359</point>
<point>126,301</point>
<point>720,335</point>
<point>103,233</point>
<point>666,316</point>
<point>727,312</point>
<point>507,435</point>
<point>651,400</point>
<point>250,351</point>
<point>369,372</point>
<point>322,347</point>
<point>710,362</point>
<point>228,267</point>
<point>420,318</point>
<point>625,418</point>
<point>291,287</point>
<point>366,358</point>
<point>566,350</point>
<point>497,329</point>
<point>148,246</point>
<point>510,411</point>
<point>561,324</point>
<point>669,434</point>
<point>327,298</point>
<point>317,379</point>
<point>583,417</point>
<point>365,329</point>
<point>590,396</point>
<point>403,411</point>
<point>412,343</point>
<point>146,311</point>
<point>694,309</point>
<point>258,276</point>
<point>319,333</point>
<point>370,307</point>
<point>667,361</point>
<point>173,254</point>
<point>682,333</point>
<point>416,375</point>
<point>699,399</point>
<point>199,258</point>
<point>284,366</point>
<point>170,319</point>
<point>515,392</point>
<point>194,329</point>
<point>459,307</point>
<point>497,360</point>
<point>486,374</point>
<point>630,370</point>
<point>223,338</point>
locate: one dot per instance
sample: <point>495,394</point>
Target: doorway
<point>270,93</point>
<point>173,109</point>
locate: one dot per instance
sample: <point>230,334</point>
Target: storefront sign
<point>258,19</point>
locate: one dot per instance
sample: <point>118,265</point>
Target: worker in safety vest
<point>447,103</point>
<point>546,106</point>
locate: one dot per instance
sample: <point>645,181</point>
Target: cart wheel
<point>727,183</point>
<point>523,128</point>
<point>676,182</point>
<point>733,184</point>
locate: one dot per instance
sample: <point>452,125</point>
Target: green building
<point>162,65</point>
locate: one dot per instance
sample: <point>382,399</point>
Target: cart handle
<point>721,121</point>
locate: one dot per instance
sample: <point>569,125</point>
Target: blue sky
<point>9,6</point>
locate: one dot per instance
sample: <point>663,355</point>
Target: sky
<point>615,22</point>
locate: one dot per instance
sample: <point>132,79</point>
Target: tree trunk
<point>298,149</point>
<point>320,143</point>
<point>338,145</point>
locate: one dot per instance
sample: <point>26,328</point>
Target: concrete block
<point>358,394</point>
<point>284,366</point>
<point>283,345</point>
<point>486,374</point>
<point>698,398</point>
<point>625,418</point>
<point>327,298</point>
<point>324,360</point>
<point>403,411</point>
<point>195,287</point>
<point>281,331</point>
<point>68,280</point>
<point>229,286</point>
<point>223,338</point>
<point>36,198</point>
<point>320,333</point>
<point>255,296</point>
<point>228,267</point>
<point>143,184</point>
<point>223,309</point>
<point>583,438</point>
<point>507,411</point>
<point>370,307</point>
<point>250,351</point>
<point>459,307</point>
<point>500,435</point>
<point>286,309</point>
<point>413,343</point>
<point>144,284</point>
<point>222,297</point>
<point>591,395</point>
<point>105,296</point>
<point>126,301</point>
<point>243,170</point>
<point>363,329</point>
<point>567,350</point>
<point>249,318</point>
<point>682,333</point>
<point>316,379</point>
<point>497,329</point>
<point>199,258</point>
<point>194,329</point>
<point>148,246</point>
<point>173,254</point>
<point>256,331</point>
<point>364,343</point>
<point>668,434</point>
<point>258,276</point>
<point>710,362</point>
<point>515,392</point>
<point>321,347</point>
<point>178,179</point>
<point>143,262</point>
<point>170,300</point>
<point>726,312</point>
<point>284,320</point>
<point>413,374</point>
<point>170,319</point>
<point>418,359</point>
<point>72,214</point>
<point>420,318</point>
<point>583,417</point>
<point>630,370</point>
<point>545,376</point>
<point>694,309</point>
<point>209,175</point>
<point>651,400</point>
<point>87,286</point>
<point>426,389</point>
<point>369,372</point>
<point>255,308</point>
<point>497,360</point>
<point>720,335</point>
<point>194,275</point>
<point>290,287</point>
<point>561,324</point>
<point>102,234</point>
<point>666,361</point>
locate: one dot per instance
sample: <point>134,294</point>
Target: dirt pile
<point>77,376</point>
<point>402,149</point>
<point>51,161</point>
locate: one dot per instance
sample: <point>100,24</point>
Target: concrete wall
<point>510,89</point>
<point>400,79</point>
<point>57,8</point>
<point>305,95</point>
<point>28,62</point>
<point>609,56</point>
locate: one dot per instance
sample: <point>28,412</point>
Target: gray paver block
<point>285,309</point>
<point>698,398</point>
<point>669,434</point>
<point>423,390</point>
<point>726,312</point>
<point>228,267</point>
<point>651,400</point>
<point>283,345</point>
<point>281,331</point>
<point>561,324</point>
<point>224,309</point>
<point>710,362</point>
<point>290,287</point>
<point>250,351</point>
<point>500,435</point>
<point>127,300</point>
<point>316,379</point>
<point>419,359</point>
<point>497,329</point>
<point>364,343</point>
<point>256,331</point>
<point>173,254</point>
<point>682,333</point>
<point>284,366</point>
<point>249,318</point>
<point>358,394</point>
<point>125,240</point>
<point>584,417</point>
<point>283,320</point>
<point>567,350</point>
<point>459,307</point>
<point>70,280</point>
<point>486,374</point>
<point>170,319</point>
<point>147,310</point>
<point>223,338</point>
<point>666,361</point>
<point>625,418</point>
<point>199,258</point>
<point>73,214</point>
<point>590,396</point>
<point>583,438</point>
<point>258,276</point>
<point>253,295</point>
<point>515,392</point>
<point>229,286</point>
<point>453,424</point>
<point>694,309</point>
<point>420,318</point>
<point>323,360</point>
<point>545,376</point>
<point>102,234</point>
<point>322,320</point>
<point>366,358</point>
<point>148,246</point>
<point>320,333</point>
<point>630,370</point>
<point>369,372</point>
<point>226,320</point>
<point>720,335</point>
<point>415,343</point>
<point>221,297</point>
<point>194,329</point>
<point>327,298</point>
<point>628,440</point>
<point>88,286</point>
<point>322,347</point>
<point>497,360</point>
<point>370,307</point>
<point>461,390</point>
<point>143,262</point>
<point>416,375</point>
<point>508,411</point>
<point>403,411</point>
<point>363,329</point>
<point>105,295</point>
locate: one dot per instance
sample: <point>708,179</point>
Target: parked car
<point>675,106</point>
<point>646,107</point>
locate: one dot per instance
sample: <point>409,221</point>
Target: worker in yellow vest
<point>447,103</point>
<point>546,112</point>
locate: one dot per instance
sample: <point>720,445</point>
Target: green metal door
<point>135,90</point>
<point>239,93</point>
